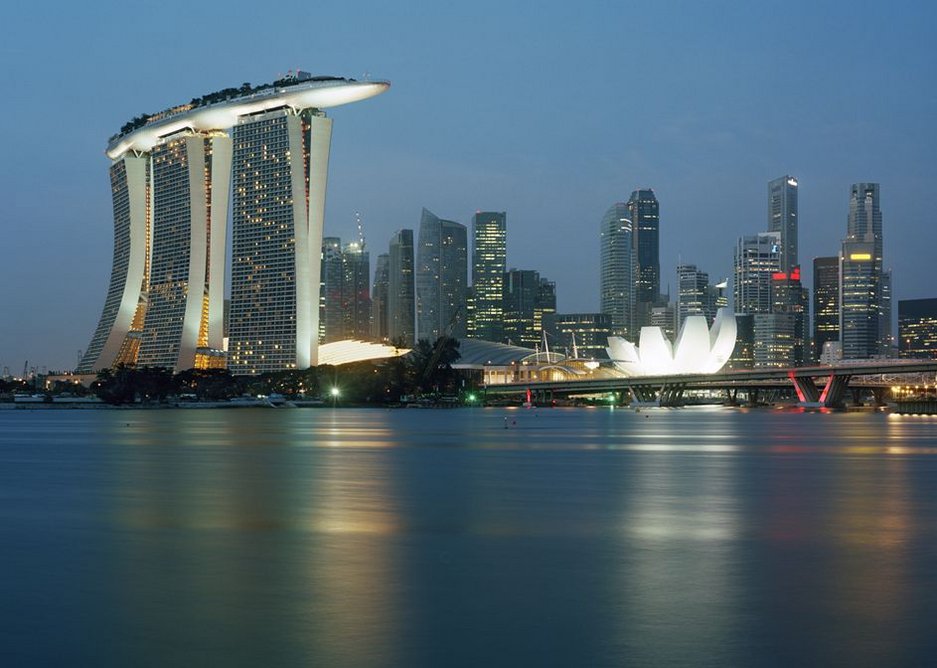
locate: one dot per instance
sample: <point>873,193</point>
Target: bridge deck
<point>728,379</point>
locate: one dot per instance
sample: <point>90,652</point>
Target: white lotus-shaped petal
<point>699,349</point>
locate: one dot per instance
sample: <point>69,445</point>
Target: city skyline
<point>705,130</point>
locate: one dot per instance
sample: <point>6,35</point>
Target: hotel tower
<point>264,150</point>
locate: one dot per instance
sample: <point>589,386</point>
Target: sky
<point>550,111</point>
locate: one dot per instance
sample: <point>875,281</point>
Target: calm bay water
<point>575,537</point>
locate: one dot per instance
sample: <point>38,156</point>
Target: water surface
<point>467,537</point>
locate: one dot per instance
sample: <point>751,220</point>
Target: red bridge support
<point>832,395</point>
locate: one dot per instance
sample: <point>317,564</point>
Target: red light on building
<point>782,276</point>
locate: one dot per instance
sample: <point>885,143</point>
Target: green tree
<point>208,384</point>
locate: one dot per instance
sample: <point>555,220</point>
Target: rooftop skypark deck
<point>220,110</point>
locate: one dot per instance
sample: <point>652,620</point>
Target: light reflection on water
<point>482,536</point>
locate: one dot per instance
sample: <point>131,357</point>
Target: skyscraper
<point>665,317</point>
<point>743,357</point>
<point>116,339</point>
<point>546,304</point>
<point>401,314</point>
<point>862,308</point>
<point>356,291</point>
<point>887,343</point>
<point>331,316</point>
<point>379,298</point>
<point>695,296</point>
<point>757,259</point>
<point>527,299</point>
<point>582,335</point>
<point>280,159</point>
<point>775,337</point>
<point>489,256</point>
<point>917,328</point>
<point>644,213</point>
<point>441,278</point>
<point>859,288</point>
<point>782,218</point>
<point>617,285</point>
<point>790,297</point>
<point>170,180</point>
<point>184,314</point>
<point>345,301</point>
<point>825,303</point>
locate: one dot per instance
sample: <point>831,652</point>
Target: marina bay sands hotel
<point>263,151</point>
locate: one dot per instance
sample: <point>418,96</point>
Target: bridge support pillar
<point>835,391</point>
<point>732,396</point>
<point>672,395</point>
<point>807,392</point>
<point>644,395</point>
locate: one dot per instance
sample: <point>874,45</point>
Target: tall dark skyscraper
<point>581,335</point>
<point>782,218</point>
<point>694,294</point>
<point>330,296</point>
<point>917,328</point>
<point>489,256</point>
<point>527,298</point>
<point>441,278</point>
<point>644,213</point>
<point>862,307</point>
<point>345,303</point>
<point>401,314</point>
<point>887,343</point>
<point>356,292</point>
<point>790,298</point>
<point>379,331</point>
<point>617,285</point>
<point>825,303</point>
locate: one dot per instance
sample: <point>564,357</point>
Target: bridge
<point>816,386</point>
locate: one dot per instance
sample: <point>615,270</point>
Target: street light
<point>335,392</point>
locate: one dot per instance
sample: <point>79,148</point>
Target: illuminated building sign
<point>783,276</point>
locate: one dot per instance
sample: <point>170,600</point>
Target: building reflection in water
<point>235,538</point>
<point>832,560</point>
<point>438,537</point>
<point>678,528</point>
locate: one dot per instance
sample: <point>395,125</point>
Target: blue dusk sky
<point>550,111</point>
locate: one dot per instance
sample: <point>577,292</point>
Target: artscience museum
<point>698,349</point>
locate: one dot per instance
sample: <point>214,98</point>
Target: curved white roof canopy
<point>350,350</point>
<point>224,115</point>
